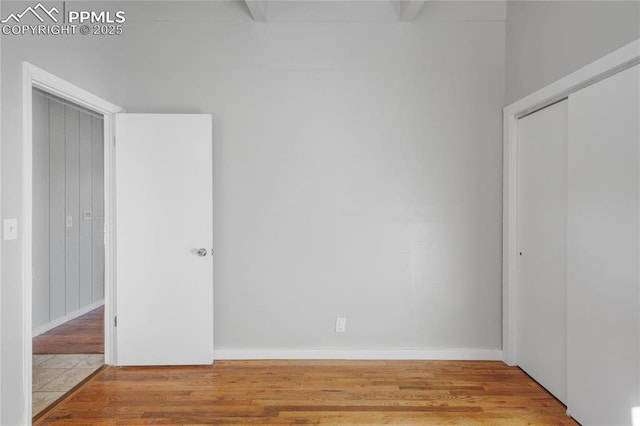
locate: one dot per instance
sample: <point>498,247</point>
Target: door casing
<point>34,77</point>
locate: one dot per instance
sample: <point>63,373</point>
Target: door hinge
<point>115,321</point>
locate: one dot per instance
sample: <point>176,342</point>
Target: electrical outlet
<point>341,325</point>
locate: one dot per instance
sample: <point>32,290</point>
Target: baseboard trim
<point>59,321</point>
<point>367,354</point>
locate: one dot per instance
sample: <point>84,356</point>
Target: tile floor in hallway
<point>55,375</point>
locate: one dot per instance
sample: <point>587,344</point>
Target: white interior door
<point>603,266</point>
<point>542,242</point>
<point>164,217</point>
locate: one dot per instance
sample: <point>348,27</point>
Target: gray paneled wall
<point>68,210</point>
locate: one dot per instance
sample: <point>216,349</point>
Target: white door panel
<point>164,215</point>
<point>542,240</point>
<point>603,251</point>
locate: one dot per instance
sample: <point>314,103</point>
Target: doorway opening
<point>68,267</point>
<point>68,247</point>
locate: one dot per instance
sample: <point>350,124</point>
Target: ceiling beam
<point>407,10</point>
<point>258,9</point>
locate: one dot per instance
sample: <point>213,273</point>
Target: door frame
<point>34,77</point>
<point>613,63</point>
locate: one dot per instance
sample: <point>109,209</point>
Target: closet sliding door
<point>603,257</point>
<point>542,232</point>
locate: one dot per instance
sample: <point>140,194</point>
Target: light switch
<point>69,221</point>
<point>87,214</point>
<point>10,229</point>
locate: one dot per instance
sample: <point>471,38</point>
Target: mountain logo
<point>38,11</point>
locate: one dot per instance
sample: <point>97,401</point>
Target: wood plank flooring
<point>313,392</point>
<point>82,335</point>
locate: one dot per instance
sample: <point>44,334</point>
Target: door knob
<point>202,252</point>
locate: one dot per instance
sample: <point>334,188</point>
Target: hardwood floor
<point>313,392</point>
<point>83,335</point>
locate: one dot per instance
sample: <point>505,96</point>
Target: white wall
<point>547,40</point>
<point>356,170</point>
<point>357,165</point>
